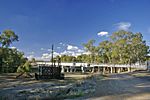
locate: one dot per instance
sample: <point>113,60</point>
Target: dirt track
<point>132,86</point>
<point>29,88</point>
<point>127,86</point>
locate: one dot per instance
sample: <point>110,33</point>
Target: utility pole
<point>52,55</point>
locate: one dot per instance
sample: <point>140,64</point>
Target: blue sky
<point>69,23</point>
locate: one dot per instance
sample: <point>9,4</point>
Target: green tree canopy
<point>122,47</point>
<point>7,37</point>
<point>10,59</point>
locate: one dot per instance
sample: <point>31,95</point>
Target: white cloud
<point>42,49</point>
<point>47,56</point>
<point>73,52</point>
<point>16,48</point>
<point>58,47</point>
<point>49,50</point>
<point>30,57</point>
<point>103,33</point>
<point>63,44</point>
<point>80,51</point>
<point>60,43</point>
<point>32,52</point>
<point>148,43</point>
<point>56,54</point>
<point>123,26</point>
<point>12,47</point>
<point>87,53</point>
<point>71,47</point>
<point>66,53</point>
<point>69,53</point>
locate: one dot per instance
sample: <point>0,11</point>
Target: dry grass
<point>9,80</point>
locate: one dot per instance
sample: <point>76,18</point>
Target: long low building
<point>85,67</point>
<point>95,65</point>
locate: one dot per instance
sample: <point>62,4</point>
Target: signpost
<point>52,55</point>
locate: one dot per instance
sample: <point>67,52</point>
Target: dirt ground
<point>127,86</point>
<point>9,79</point>
<point>10,86</point>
